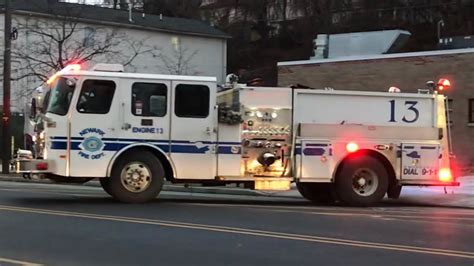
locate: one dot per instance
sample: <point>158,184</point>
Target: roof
<point>140,76</point>
<point>376,57</point>
<point>113,16</point>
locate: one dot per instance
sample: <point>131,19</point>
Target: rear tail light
<point>42,166</point>
<point>445,175</point>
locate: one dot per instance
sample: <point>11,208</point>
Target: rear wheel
<point>362,181</point>
<point>317,193</point>
<point>136,177</point>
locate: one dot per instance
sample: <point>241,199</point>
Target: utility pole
<point>6,148</point>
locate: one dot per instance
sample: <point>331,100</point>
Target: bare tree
<point>173,8</point>
<point>179,61</point>
<point>50,44</point>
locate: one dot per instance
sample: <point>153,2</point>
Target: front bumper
<point>31,166</point>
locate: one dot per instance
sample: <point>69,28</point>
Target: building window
<point>89,35</point>
<point>471,111</point>
<point>149,99</point>
<point>192,101</point>
<point>175,42</point>
<point>96,97</point>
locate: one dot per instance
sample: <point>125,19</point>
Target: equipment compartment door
<point>420,161</point>
<point>193,130</point>
<point>316,160</point>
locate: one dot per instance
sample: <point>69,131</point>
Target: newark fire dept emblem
<point>92,146</point>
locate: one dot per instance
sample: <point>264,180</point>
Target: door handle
<point>125,125</point>
<point>209,130</point>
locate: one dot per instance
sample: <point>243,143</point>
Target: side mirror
<point>33,109</point>
<point>71,82</point>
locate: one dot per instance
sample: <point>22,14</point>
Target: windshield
<point>60,97</point>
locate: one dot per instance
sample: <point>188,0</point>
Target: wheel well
<point>376,155</point>
<point>169,173</point>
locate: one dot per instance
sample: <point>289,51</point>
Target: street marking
<point>339,209</point>
<point>18,262</point>
<point>341,212</point>
<point>252,232</point>
<point>56,193</point>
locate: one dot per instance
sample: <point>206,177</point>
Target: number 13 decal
<point>410,106</point>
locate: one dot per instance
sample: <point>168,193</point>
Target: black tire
<point>370,190</point>
<point>105,183</point>
<point>317,193</point>
<point>147,168</point>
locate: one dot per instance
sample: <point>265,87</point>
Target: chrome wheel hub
<point>365,182</point>
<point>361,182</point>
<point>136,177</point>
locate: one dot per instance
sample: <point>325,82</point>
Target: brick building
<point>409,72</point>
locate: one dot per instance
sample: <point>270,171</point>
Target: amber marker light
<point>352,147</point>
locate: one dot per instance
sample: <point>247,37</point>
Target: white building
<point>157,44</point>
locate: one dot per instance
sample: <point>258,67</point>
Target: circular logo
<point>92,144</point>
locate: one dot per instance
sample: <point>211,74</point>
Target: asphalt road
<point>74,225</point>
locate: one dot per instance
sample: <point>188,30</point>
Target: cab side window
<point>192,101</point>
<point>149,99</point>
<point>96,96</point>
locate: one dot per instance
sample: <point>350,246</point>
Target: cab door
<point>193,130</point>
<point>93,122</point>
<point>146,113</point>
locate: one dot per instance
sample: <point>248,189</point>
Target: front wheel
<point>136,177</point>
<point>105,183</point>
<point>362,181</point>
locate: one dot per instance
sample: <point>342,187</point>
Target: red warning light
<point>443,84</point>
<point>73,67</point>
<point>69,68</point>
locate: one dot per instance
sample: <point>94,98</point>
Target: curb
<point>166,187</point>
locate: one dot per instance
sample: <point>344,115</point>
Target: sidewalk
<point>462,196</point>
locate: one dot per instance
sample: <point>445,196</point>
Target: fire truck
<point>135,131</point>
